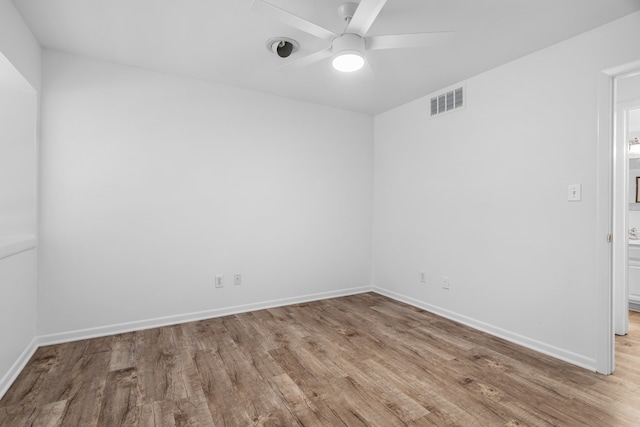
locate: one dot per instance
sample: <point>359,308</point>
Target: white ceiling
<point>224,41</point>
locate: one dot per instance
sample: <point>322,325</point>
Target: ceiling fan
<point>347,49</point>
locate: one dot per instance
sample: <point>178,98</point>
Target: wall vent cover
<point>447,101</point>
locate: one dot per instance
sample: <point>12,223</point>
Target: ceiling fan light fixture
<point>348,62</point>
<point>348,53</point>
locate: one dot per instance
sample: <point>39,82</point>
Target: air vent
<point>447,101</point>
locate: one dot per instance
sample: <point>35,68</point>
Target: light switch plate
<point>574,192</point>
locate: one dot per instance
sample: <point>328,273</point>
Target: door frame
<point>609,151</point>
<point>621,212</point>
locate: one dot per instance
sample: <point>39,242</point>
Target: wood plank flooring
<point>362,360</point>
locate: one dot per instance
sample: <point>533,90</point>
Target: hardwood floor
<point>362,360</point>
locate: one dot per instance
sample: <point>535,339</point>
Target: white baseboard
<point>101,331</point>
<point>558,353</point>
<point>121,328</point>
<point>18,366</point>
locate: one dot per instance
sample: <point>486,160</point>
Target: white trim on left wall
<point>18,366</point>
<point>82,334</point>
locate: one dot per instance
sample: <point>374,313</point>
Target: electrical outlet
<point>445,282</point>
<point>237,279</point>
<point>423,277</point>
<point>219,281</point>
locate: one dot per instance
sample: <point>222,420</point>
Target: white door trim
<point>621,214</point>
<point>606,210</point>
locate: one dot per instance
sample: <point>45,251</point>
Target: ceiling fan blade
<point>306,60</point>
<point>366,13</point>
<point>292,20</point>
<point>395,41</point>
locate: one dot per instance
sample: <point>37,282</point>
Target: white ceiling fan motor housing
<point>348,42</point>
<point>348,52</point>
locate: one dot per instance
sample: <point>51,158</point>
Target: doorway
<point>626,218</point>
<point>625,214</point>
<point>611,232</point>
<point>631,115</point>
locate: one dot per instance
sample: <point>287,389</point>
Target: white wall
<point>19,45</point>
<point>634,216</point>
<point>17,314</point>
<point>628,89</point>
<point>18,168</point>
<point>18,285</point>
<point>153,184</point>
<point>480,196</point>
<point>19,80</point>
